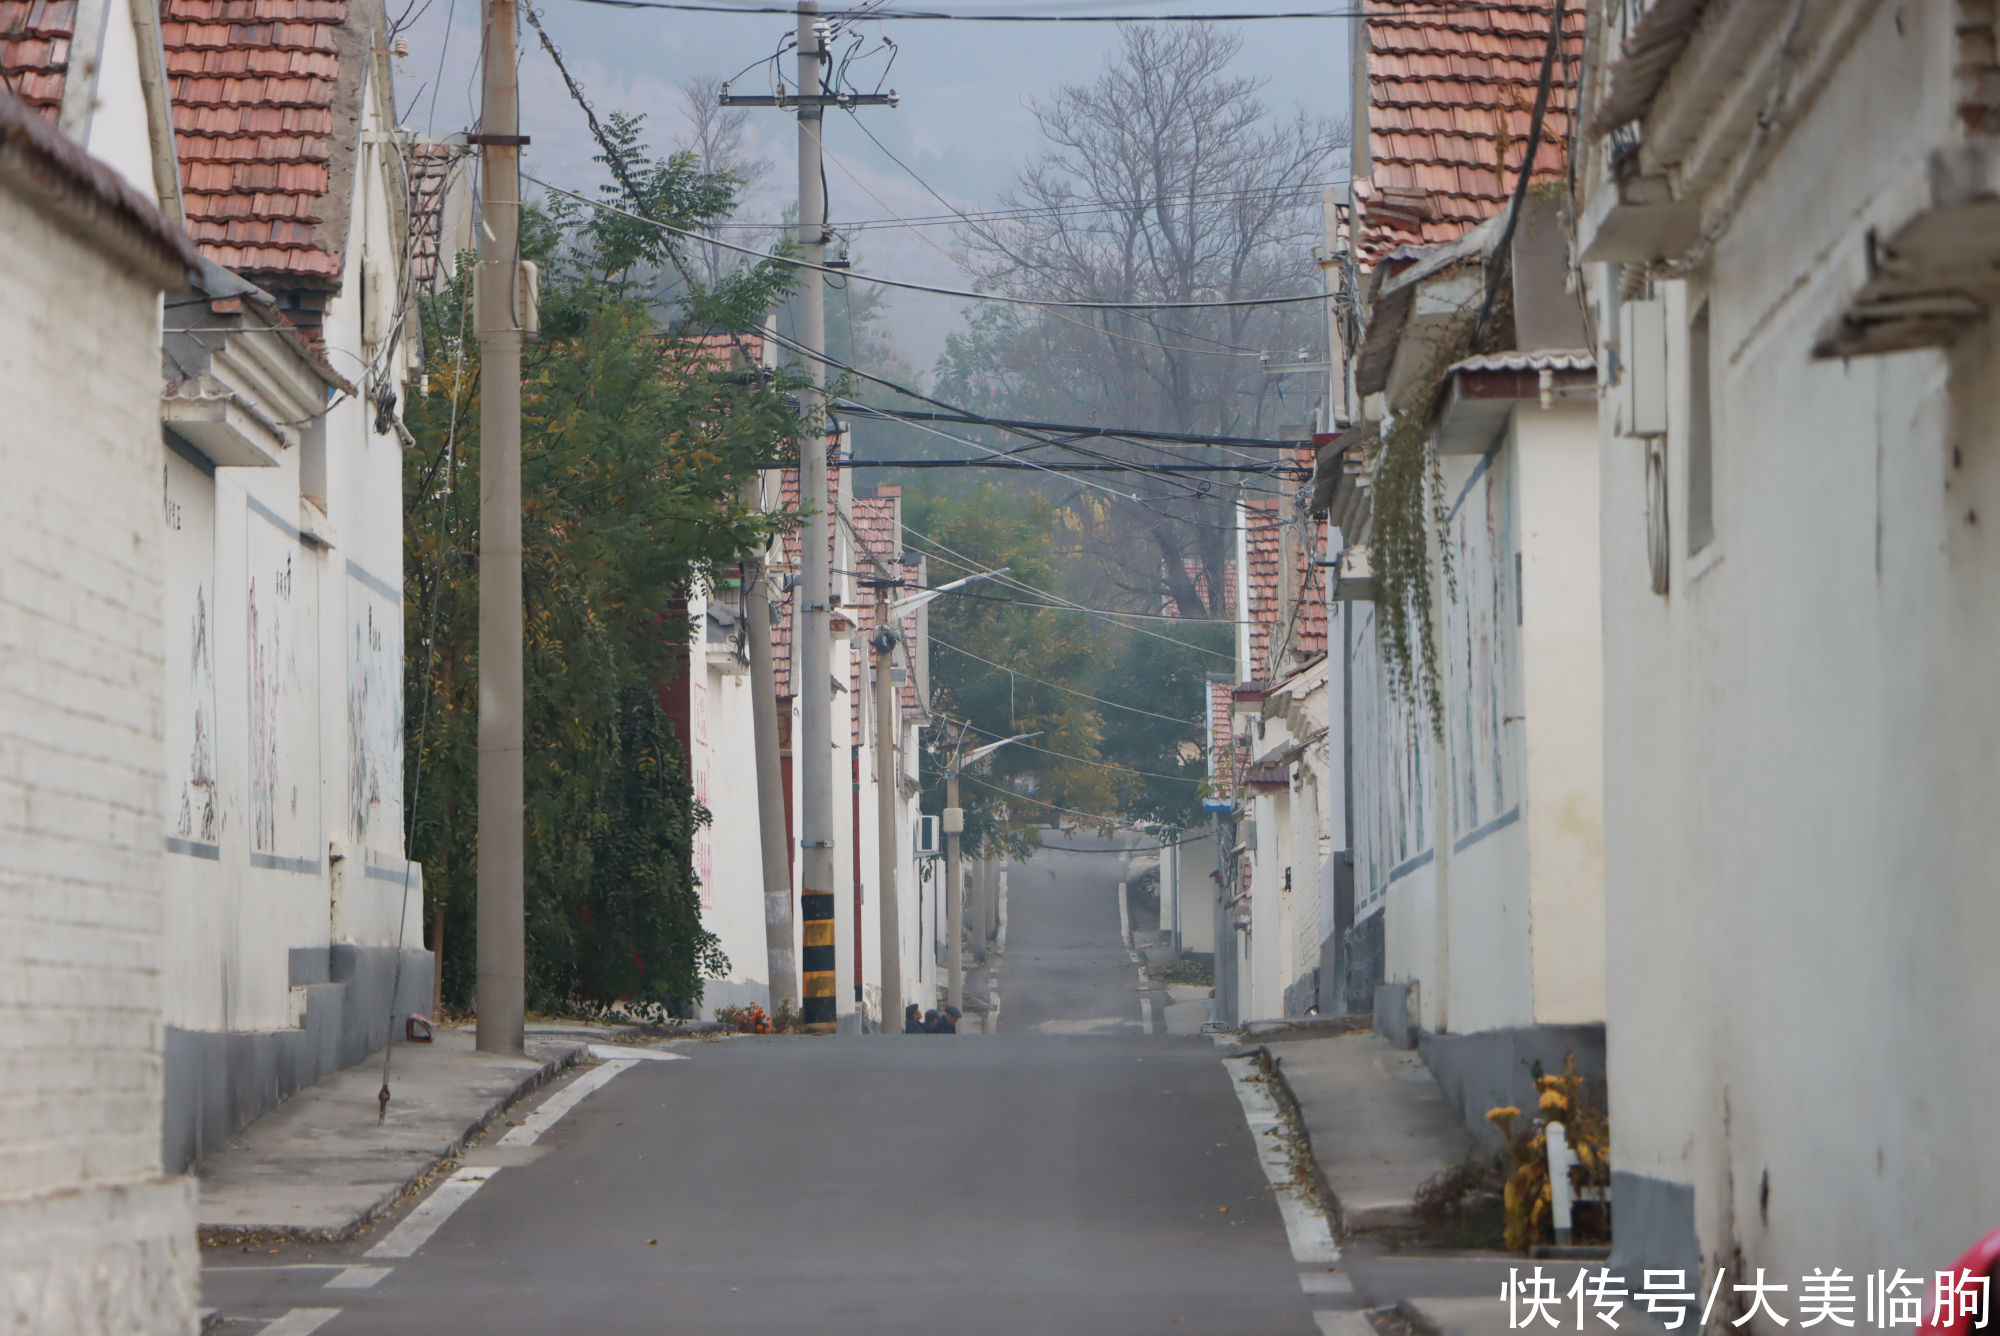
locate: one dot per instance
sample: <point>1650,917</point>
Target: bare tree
<point>1166,179</point>
<point>719,138</point>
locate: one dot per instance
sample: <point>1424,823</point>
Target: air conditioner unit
<point>927,837</point>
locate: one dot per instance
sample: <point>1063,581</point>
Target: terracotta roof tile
<point>1263,556</point>
<point>34,51</point>
<point>1450,98</point>
<point>252,84</point>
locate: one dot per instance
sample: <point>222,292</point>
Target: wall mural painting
<point>374,712</point>
<point>1479,648</point>
<point>193,810</point>
<point>282,606</point>
<point>1393,799</point>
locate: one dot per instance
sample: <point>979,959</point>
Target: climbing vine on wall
<point>1409,508</point>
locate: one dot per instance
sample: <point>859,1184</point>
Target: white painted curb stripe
<point>1343,1322</point>
<point>357,1278</point>
<point>1146,1012</point>
<point>560,1103</point>
<point>431,1212</point>
<point>302,1322</point>
<point>1325,1282</point>
<point>1311,1239</point>
<point>621,1052</point>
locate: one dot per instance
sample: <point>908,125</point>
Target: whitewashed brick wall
<point>92,1238</point>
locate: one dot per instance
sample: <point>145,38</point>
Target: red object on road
<point>1980,1262</point>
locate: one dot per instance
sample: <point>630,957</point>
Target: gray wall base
<point>1360,971</point>
<point>218,1081</point>
<point>1390,1005</point>
<point>1654,1226</point>
<point>1486,1069</point>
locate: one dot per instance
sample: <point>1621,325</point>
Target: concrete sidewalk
<point>320,1167</point>
<point>1378,1122</point>
<point>1379,1127</point>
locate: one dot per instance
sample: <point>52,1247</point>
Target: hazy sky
<point>964,122</point>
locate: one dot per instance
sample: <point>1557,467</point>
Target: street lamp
<point>954,826</point>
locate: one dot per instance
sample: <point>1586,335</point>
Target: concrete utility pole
<point>954,826</point>
<point>954,890</point>
<point>502,996</point>
<point>780,962</point>
<point>814,754</point>
<point>887,797</point>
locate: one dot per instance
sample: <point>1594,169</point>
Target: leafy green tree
<point>635,442</point>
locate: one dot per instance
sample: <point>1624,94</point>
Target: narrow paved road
<point>1025,1182</point>
<point>1066,970</point>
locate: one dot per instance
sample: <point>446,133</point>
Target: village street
<point>1101,1181</point>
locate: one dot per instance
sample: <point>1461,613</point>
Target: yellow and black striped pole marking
<point>817,963</point>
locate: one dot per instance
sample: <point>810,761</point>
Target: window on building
<point>1701,438</point>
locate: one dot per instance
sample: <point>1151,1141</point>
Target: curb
<point>219,1235</point>
<point>1273,1068</point>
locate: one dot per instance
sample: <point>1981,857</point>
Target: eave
<point>1931,270</point>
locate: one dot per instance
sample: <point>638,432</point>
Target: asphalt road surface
<point>1032,1181</point>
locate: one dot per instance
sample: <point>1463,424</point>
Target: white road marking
<point>281,1266</point>
<point>357,1278</point>
<point>560,1103</point>
<point>622,1052</point>
<point>431,1212</point>
<point>1343,1322</point>
<point>1146,1011</point>
<point>302,1322</point>
<point>1124,919</point>
<point>1311,1239</point>
<point>1325,1282</point>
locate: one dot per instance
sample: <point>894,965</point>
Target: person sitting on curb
<point>913,1021</point>
<point>947,1021</point>
<point>931,1021</point>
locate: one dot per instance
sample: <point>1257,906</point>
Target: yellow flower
<point>1554,1101</point>
<point>1503,1115</point>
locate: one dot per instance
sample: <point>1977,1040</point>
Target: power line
<point>1262,470</point>
<point>1009,794</point>
<point>1221,349</point>
<point>1072,429</point>
<point>936,640</point>
<point>1060,603</point>
<point>1101,612</point>
<point>1049,210</point>
<point>1085,760</point>
<point>689,7</point>
<point>958,293</point>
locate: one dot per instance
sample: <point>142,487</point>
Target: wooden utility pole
<point>813,679</point>
<point>502,994</point>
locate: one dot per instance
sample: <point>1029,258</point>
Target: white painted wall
<point>92,1237</point>
<point>1800,735</point>
<point>728,853</point>
<point>1562,692</point>
<point>304,699</point>
<point>1501,920</point>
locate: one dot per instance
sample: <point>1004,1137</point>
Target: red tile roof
<point>787,556</point>
<point>1221,746</point>
<point>34,51</point>
<point>1451,93</point>
<point>253,84</point>
<point>1307,625</point>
